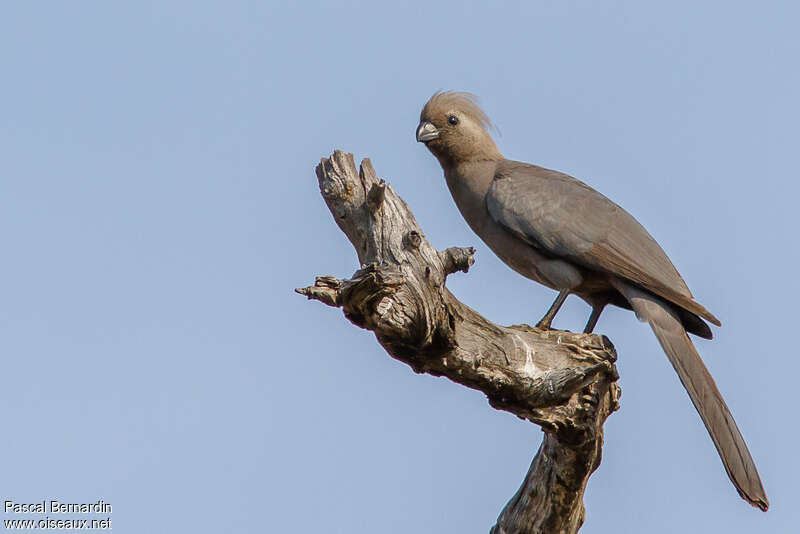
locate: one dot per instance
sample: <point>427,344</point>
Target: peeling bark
<point>564,382</point>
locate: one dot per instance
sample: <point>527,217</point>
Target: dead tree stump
<point>563,382</point>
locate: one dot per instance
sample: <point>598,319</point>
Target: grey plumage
<point>702,390</point>
<point>560,232</point>
<point>568,219</point>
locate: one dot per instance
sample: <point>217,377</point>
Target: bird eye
<point>453,120</point>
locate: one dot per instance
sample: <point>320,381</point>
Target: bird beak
<point>426,132</point>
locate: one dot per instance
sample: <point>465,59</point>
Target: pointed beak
<point>426,132</point>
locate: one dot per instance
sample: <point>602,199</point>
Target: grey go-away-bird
<point>560,232</point>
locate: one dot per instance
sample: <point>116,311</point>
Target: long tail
<point>703,392</point>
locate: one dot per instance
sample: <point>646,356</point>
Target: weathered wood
<point>564,382</point>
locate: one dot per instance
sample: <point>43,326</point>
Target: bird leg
<point>548,317</point>
<point>597,309</point>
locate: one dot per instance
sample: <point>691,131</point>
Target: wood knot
<point>412,240</point>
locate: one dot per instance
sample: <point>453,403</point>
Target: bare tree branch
<point>564,382</point>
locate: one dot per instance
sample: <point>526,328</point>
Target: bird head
<point>455,129</point>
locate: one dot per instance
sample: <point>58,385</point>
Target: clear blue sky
<point>158,204</point>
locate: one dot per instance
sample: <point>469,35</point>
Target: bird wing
<point>565,218</point>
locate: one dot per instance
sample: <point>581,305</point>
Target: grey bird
<point>558,231</point>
